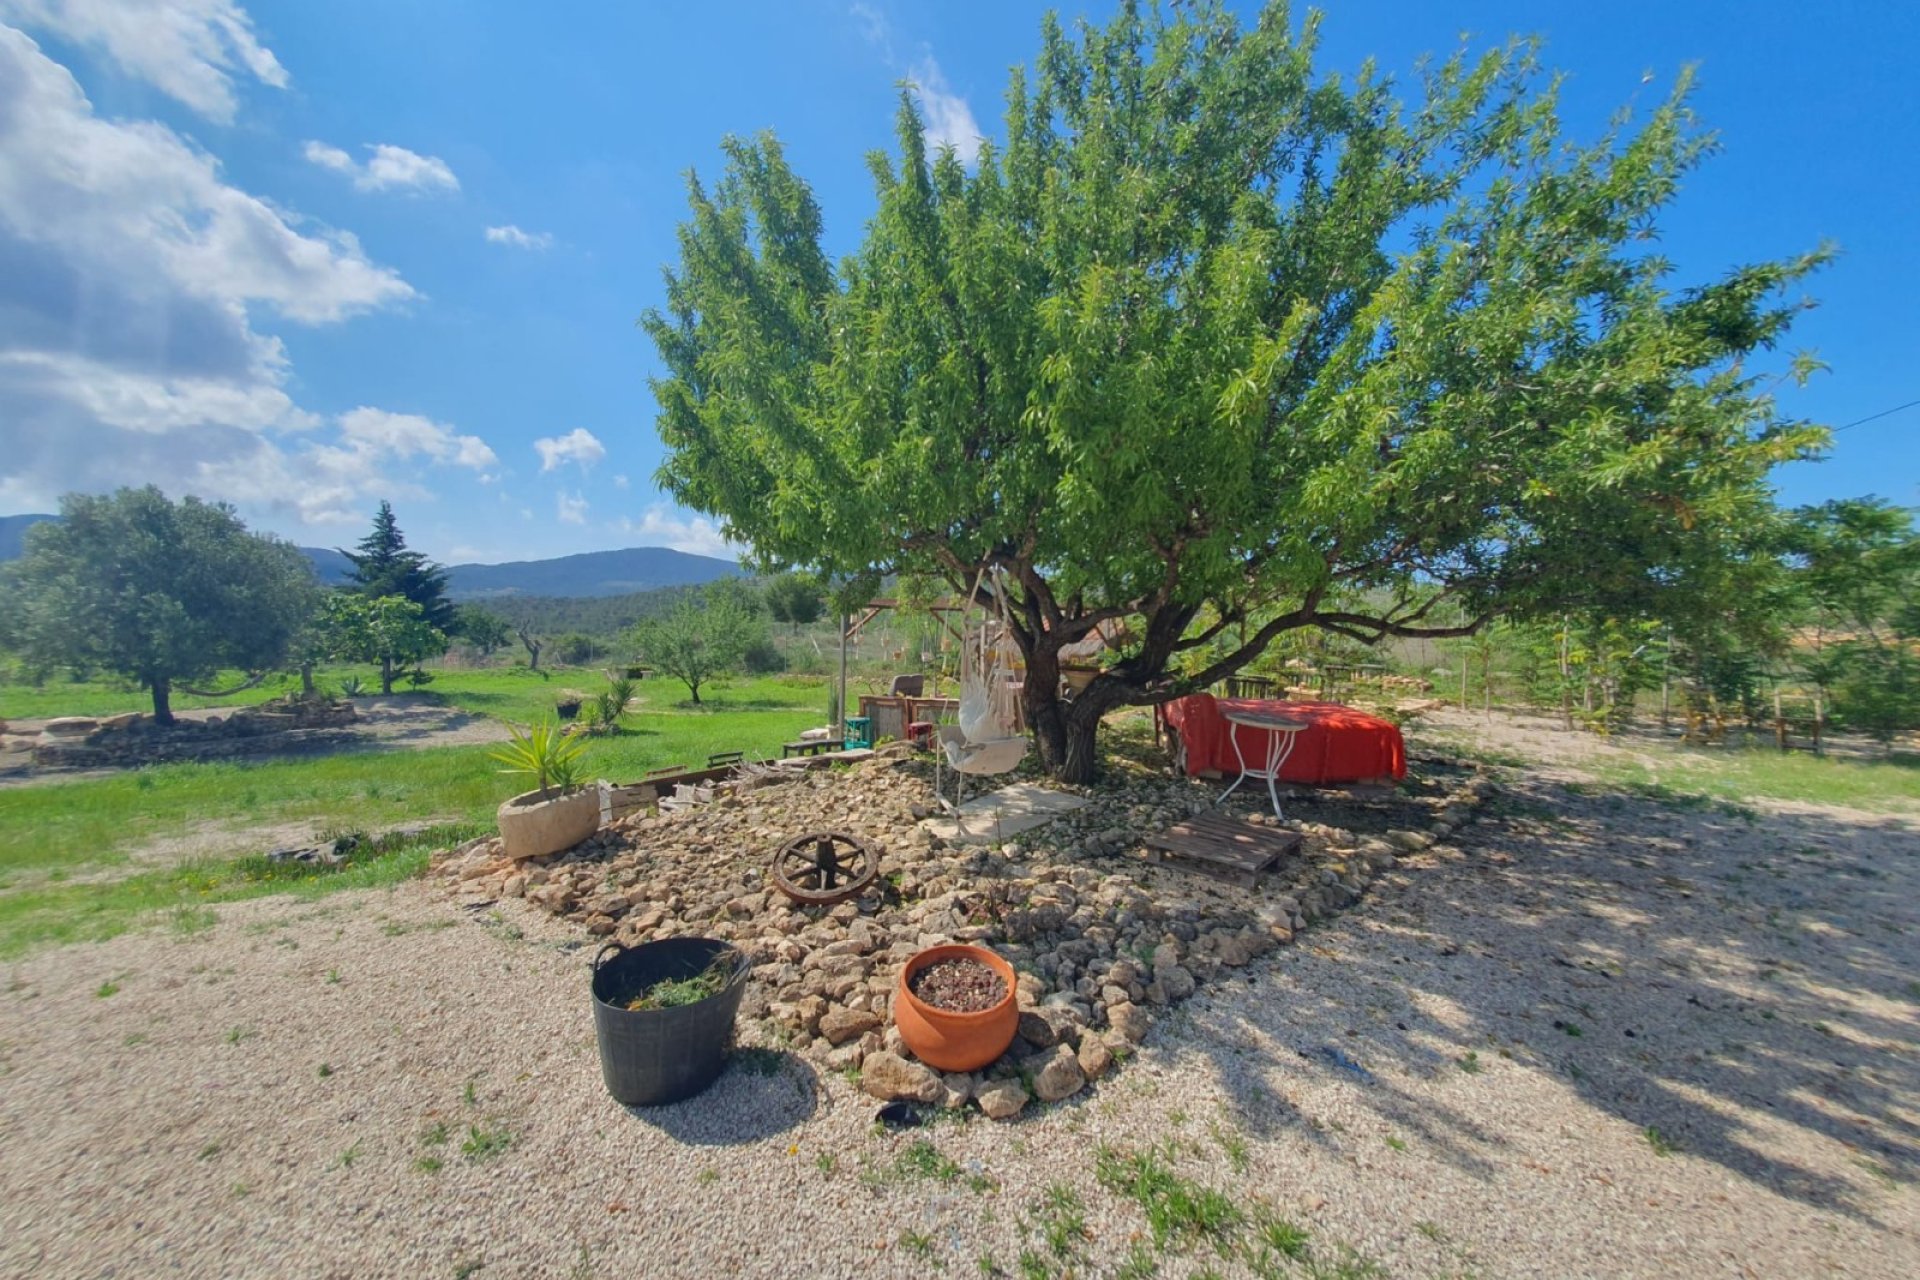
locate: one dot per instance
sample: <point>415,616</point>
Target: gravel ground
<point>1602,1037</point>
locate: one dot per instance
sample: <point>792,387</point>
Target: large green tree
<point>1218,339</point>
<point>383,565</point>
<point>157,591</point>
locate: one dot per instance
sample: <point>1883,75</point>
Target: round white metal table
<point>1281,733</point>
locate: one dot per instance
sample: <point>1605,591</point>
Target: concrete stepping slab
<point>1003,814</point>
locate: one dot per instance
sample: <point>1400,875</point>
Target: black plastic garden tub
<point>653,1056</point>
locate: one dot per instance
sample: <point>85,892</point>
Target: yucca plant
<point>545,754</point>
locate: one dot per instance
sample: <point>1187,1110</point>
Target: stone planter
<point>949,1041</point>
<point>531,825</point>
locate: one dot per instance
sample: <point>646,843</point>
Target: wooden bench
<point>808,747</point>
<point>719,758</point>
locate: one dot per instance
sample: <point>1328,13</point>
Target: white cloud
<point>136,282</point>
<point>512,235</point>
<point>620,482</point>
<point>578,445</point>
<point>875,27</point>
<point>663,526</point>
<point>389,166</point>
<point>407,435</point>
<point>950,121</point>
<point>190,50</point>
<point>572,507</point>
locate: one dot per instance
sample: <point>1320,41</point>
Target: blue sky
<point>305,256</point>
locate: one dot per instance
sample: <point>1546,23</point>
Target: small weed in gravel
<point>236,1034</point>
<point>1233,1145</point>
<point>1431,1230</point>
<point>826,1162</point>
<point>106,989</point>
<point>137,1038</point>
<point>468,1095</point>
<point>707,1177</point>
<point>209,1151</point>
<point>1034,1266</point>
<point>189,921</point>
<point>429,1164</point>
<point>1063,1220</point>
<point>484,1144</point>
<point>1571,1028</point>
<point>1396,1143</point>
<point>1661,1144</point>
<point>346,1158</point>
<point>918,1242</point>
<point>924,1160</point>
<point>1348,1264</point>
<point>1139,1264</point>
<point>1469,1062</point>
<point>461,1270</point>
<point>325,1071</point>
<point>1288,1239</point>
<point>1178,1209</point>
<point>333,976</point>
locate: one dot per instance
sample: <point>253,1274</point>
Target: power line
<point>1874,417</point>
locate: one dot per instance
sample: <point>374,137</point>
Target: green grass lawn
<point>57,830</point>
<point>1739,774</point>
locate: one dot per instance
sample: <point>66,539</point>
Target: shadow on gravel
<point>1739,988</point>
<point>760,1093</point>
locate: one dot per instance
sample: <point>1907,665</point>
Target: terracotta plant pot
<point>948,1041</point>
<point>531,826</point>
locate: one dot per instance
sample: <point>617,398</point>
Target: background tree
<point>794,600</point>
<point>1217,338</point>
<point>532,641</point>
<point>1855,569</point>
<point>390,630</point>
<point>703,636</point>
<point>156,591</point>
<point>383,566</point>
<point>482,628</point>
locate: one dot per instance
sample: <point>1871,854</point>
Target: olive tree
<point>1217,347</point>
<point>157,591</point>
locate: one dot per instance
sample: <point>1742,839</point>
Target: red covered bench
<point>1338,745</point>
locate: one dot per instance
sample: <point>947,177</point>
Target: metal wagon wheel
<point>820,868</point>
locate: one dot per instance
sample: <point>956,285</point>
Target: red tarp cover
<point>1339,744</point>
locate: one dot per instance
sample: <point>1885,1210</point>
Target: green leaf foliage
<point>1214,337</point>
<point>157,591</point>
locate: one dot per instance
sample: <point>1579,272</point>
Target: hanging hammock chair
<point>983,741</point>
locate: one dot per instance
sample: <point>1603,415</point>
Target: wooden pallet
<point>1228,848</point>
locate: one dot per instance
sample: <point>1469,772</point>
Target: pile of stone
<point>1101,941</point>
<point>135,738</point>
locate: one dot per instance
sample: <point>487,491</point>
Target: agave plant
<point>545,754</point>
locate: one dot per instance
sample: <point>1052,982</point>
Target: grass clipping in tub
<point>671,993</point>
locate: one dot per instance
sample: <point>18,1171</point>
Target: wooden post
<point>1463,679</point>
<point>1666,681</point>
<point>1779,721</point>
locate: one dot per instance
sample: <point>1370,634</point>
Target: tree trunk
<point>162,707</point>
<point>386,675</point>
<point>1081,762</point>
<point>1046,716</point>
<point>693,687</point>
<point>306,679</point>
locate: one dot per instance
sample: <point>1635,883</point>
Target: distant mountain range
<point>592,573</point>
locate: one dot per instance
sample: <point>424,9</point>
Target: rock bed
<point>1100,940</point>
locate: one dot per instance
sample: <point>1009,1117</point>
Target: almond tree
<point>1218,347</point>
